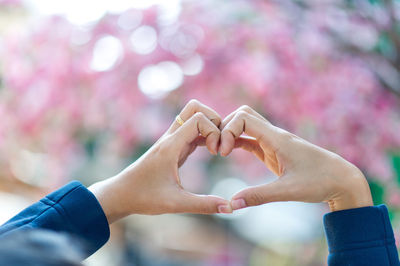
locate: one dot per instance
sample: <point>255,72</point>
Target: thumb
<point>202,204</point>
<point>258,195</point>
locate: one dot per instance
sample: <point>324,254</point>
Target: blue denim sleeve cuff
<point>363,232</point>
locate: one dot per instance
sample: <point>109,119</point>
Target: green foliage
<point>377,191</point>
<point>385,46</point>
<point>397,27</point>
<point>216,165</point>
<point>140,150</point>
<point>396,166</point>
<point>375,2</point>
<point>90,145</point>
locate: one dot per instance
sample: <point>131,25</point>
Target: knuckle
<point>193,103</point>
<point>286,136</point>
<point>226,133</point>
<point>199,116</point>
<point>217,120</point>
<point>245,108</point>
<point>255,198</point>
<point>209,206</point>
<point>241,115</point>
<point>204,209</point>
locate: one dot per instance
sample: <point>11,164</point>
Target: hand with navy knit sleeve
<point>152,185</point>
<point>305,171</point>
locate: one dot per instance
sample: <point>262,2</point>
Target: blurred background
<point>87,87</point>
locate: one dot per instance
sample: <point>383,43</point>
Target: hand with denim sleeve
<point>305,172</point>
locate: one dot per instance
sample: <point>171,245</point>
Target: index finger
<point>242,122</point>
<point>244,108</point>
<point>197,125</point>
<point>193,107</point>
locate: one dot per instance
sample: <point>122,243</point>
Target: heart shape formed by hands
<point>305,172</point>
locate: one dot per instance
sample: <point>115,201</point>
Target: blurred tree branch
<point>385,67</point>
<point>386,71</point>
<point>394,36</point>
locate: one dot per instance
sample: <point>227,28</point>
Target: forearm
<point>110,194</point>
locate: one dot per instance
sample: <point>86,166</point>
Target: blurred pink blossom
<point>252,54</point>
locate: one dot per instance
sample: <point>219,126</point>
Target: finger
<point>244,108</point>
<point>193,107</point>
<point>244,122</point>
<point>251,145</point>
<point>202,204</point>
<point>269,157</point>
<point>257,195</point>
<point>197,124</point>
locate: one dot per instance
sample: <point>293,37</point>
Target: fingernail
<point>224,209</point>
<point>215,149</point>
<point>222,152</point>
<point>238,204</point>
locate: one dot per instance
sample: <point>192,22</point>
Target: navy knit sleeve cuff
<point>351,232</point>
<point>83,212</point>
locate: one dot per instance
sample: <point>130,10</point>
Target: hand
<point>306,172</point>
<point>152,185</point>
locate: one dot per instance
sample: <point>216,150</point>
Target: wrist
<point>109,196</point>
<point>353,193</point>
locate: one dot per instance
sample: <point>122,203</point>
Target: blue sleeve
<point>72,209</point>
<point>362,236</point>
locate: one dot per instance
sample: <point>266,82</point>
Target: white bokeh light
<point>183,44</point>
<point>130,19</point>
<point>30,167</point>
<point>107,51</point>
<point>84,12</point>
<point>144,40</point>
<point>157,80</point>
<point>11,205</point>
<point>77,12</point>
<point>169,12</point>
<point>181,40</point>
<point>80,36</point>
<point>193,65</point>
<point>280,222</point>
